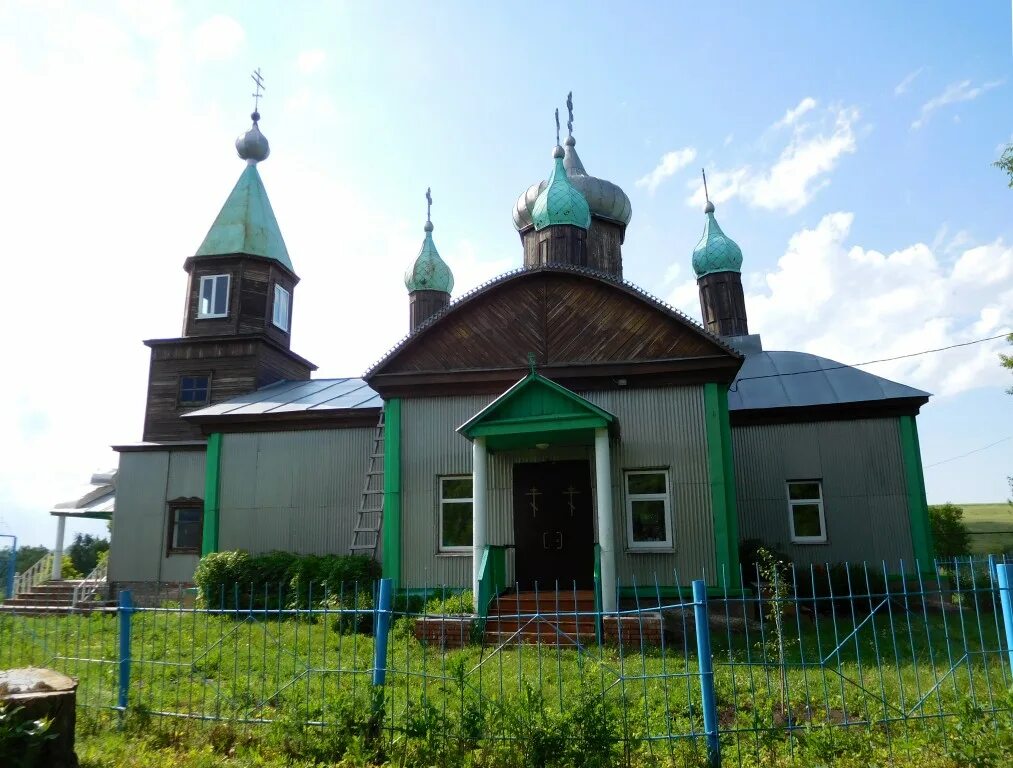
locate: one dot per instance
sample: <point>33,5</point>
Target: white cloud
<point>670,164</point>
<point>310,61</point>
<point>903,86</point>
<point>851,303</point>
<point>219,38</point>
<point>799,172</point>
<point>793,114</point>
<point>954,94</point>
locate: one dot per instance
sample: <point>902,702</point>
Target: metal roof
<point>799,379</point>
<point>317,395</point>
<point>96,500</point>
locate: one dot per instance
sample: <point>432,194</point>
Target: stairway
<point>366,534</point>
<point>52,597</point>
<point>563,618</point>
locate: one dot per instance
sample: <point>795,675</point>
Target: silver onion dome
<point>252,146</point>
<point>606,200</point>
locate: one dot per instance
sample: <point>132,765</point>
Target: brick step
<point>38,600</point>
<point>569,624</point>
<point>50,610</point>
<point>533,638</point>
<point>581,601</point>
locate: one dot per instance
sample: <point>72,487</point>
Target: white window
<point>805,512</point>
<point>281,305</point>
<point>455,513</point>
<point>214,296</point>
<point>648,509</point>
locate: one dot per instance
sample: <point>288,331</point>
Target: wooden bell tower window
<point>282,306</point>
<point>214,296</point>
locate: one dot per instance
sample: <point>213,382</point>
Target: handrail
<point>38,573</point>
<point>90,584</point>
<point>491,579</point>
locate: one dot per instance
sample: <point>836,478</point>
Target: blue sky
<point>848,147</point>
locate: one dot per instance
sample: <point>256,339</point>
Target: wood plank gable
<point>576,324</point>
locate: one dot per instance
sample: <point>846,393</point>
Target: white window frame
<point>445,549</point>
<point>281,321</point>
<point>214,295</point>
<point>648,546</point>
<point>822,538</point>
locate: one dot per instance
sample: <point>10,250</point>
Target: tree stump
<point>43,693</point>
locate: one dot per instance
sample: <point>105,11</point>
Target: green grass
<point>907,680</point>
<point>991,526</point>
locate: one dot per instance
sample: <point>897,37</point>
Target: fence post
<point>381,633</point>
<point>703,652</point>
<point>126,611</point>
<point>1004,575</point>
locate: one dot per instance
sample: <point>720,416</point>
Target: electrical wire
<point>969,453</point>
<point>734,387</point>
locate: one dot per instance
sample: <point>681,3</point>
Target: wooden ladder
<point>366,534</point>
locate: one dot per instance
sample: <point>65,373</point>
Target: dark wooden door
<point>553,525</point>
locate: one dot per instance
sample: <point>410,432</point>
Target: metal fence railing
<point>787,661</point>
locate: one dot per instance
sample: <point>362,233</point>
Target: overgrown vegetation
<point>85,552</point>
<point>226,579</point>
<point>21,737</point>
<point>950,536</point>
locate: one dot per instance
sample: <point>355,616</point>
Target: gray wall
<point>145,482</point>
<point>865,499</point>
<point>295,491</point>
<point>659,428</point>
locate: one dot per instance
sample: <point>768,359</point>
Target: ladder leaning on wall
<point>366,534</point>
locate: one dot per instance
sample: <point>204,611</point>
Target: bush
<point>237,580</point>
<point>950,536</point>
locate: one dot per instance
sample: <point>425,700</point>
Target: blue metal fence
<point>781,660</point>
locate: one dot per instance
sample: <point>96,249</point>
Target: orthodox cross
<point>531,362</point>
<point>429,204</point>
<point>569,110</point>
<point>534,493</point>
<point>570,493</point>
<point>557,126</point>
<point>703,173</point>
<point>258,79</point>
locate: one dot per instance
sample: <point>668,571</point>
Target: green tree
<point>29,556</point>
<point>949,534</point>
<point>1005,163</point>
<point>85,550</point>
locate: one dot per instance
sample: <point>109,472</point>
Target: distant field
<point>983,520</point>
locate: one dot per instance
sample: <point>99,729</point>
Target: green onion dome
<point>560,202</point>
<point>429,272</point>
<point>716,252</point>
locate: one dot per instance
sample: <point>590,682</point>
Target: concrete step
<point>55,610</point>
<point>532,638</point>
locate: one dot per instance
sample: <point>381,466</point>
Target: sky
<point>848,150</point>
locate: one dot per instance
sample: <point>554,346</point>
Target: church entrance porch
<point>553,526</point>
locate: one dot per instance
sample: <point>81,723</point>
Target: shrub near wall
<point>237,580</point>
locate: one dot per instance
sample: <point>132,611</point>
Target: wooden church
<point>556,426</point>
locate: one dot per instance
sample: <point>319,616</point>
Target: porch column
<point>61,524</point>
<point>606,531</point>
<point>479,510</point>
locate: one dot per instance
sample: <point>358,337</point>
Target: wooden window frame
<point>173,506</point>
<point>822,538</point>
<point>214,294</point>
<point>179,390</point>
<point>440,547</point>
<point>668,545</point>
<point>288,308</point>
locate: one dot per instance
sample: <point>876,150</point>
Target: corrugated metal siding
<point>430,448</point>
<point>138,542</point>
<point>661,427</point>
<point>185,480</point>
<point>295,491</point>
<point>865,501</point>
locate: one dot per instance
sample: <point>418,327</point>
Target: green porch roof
<point>536,410</point>
<point>246,224</point>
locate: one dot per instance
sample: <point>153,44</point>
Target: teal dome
<point>716,252</point>
<point>429,272</point>
<point>560,202</point>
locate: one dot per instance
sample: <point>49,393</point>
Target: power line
<point>867,362</point>
<point>976,450</point>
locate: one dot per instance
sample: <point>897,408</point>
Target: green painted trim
<point>537,425</point>
<point>485,419</point>
<point>726,545</point>
<point>731,502</point>
<point>917,506</point>
<point>212,473</point>
<point>392,491</point>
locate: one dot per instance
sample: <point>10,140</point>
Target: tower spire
<point>252,146</point>
<point>429,280</point>
<point>717,261</point>
<point>709,207</point>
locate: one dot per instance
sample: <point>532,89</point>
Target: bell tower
<point>237,319</point>
<point>717,261</point>
<point>429,280</point>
